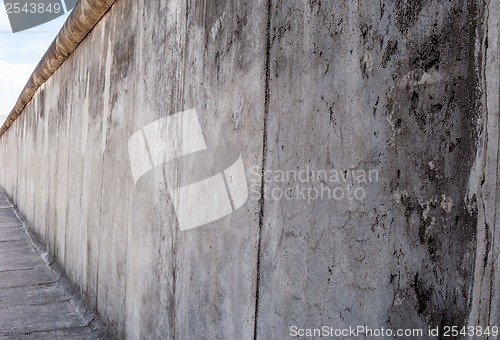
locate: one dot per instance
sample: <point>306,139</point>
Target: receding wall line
<point>83,18</point>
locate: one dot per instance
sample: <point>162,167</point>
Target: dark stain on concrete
<point>428,55</point>
<point>124,54</point>
<point>407,13</point>
<point>433,107</point>
<point>391,48</point>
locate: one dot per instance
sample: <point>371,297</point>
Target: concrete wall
<point>404,89</point>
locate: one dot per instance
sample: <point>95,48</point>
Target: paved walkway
<point>34,303</point>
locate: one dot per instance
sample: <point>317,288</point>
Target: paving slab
<point>34,301</point>
<point>18,247</point>
<point>9,234</point>
<point>78,333</point>
<point>20,262</point>
<point>26,277</point>
<point>33,295</point>
<point>32,318</point>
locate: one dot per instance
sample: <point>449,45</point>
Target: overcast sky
<point>19,54</point>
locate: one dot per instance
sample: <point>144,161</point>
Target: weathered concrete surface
<point>81,20</point>
<point>483,182</point>
<point>406,88</point>
<point>121,246</point>
<point>34,302</point>
<point>391,86</point>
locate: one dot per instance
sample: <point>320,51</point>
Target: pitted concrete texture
<point>34,304</point>
<point>406,88</point>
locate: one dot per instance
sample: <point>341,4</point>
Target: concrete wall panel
<point>392,90</point>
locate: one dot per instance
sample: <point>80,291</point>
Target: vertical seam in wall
<point>264,153</point>
<point>148,150</point>
<point>484,65</point>
<point>66,213</point>
<point>104,126</point>
<point>495,213</point>
<point>229,196</point>
<point>479,268</point>
<point>99,238</point>
<point>175,227</point>
<point>489,236</point>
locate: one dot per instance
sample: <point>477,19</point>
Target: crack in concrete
<point>264,154</point>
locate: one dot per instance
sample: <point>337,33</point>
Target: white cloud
<point>13,77</point>
<point>3,117</point>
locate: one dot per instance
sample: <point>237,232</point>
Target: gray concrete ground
<point>34,300</point>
